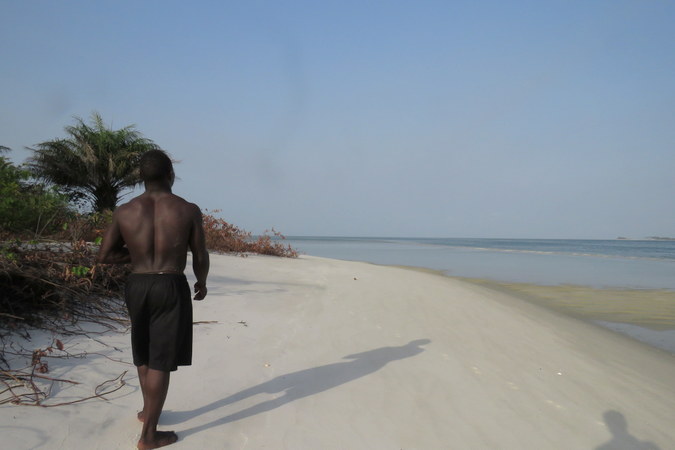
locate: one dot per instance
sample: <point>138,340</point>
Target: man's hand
<point>200,291</point>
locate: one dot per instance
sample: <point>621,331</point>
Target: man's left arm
<point>112,249</point>
<point>200,256</point>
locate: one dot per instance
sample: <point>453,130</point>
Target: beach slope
<point>313,353</point>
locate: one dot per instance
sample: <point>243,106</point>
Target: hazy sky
<point>542,119</point>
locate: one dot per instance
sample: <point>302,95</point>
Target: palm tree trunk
<point>106,198</point>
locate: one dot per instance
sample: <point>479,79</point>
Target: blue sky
<point>433,118</point>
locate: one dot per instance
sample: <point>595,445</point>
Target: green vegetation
<point>94,163</point>
<point>28,209</point>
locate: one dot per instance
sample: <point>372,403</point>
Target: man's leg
<point>154,385</point>
<point>142,373</point>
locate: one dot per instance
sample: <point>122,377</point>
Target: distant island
<point>648,238</point>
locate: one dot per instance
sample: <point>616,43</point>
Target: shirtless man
<point>153,232</point>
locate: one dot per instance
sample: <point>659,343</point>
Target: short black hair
<point>155,165</point>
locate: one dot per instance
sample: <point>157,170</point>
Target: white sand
<point>344,355</point>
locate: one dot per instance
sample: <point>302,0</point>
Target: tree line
<point>88,169</point>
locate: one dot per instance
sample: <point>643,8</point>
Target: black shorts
<point>160,308</point>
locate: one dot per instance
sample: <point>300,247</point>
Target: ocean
<point>633,264</point>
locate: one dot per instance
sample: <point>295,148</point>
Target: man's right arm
<point>200,256</point>
<point>112,249</point>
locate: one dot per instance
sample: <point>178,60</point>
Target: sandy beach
<point>313,353</point>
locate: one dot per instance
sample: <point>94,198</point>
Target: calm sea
<point>646,264</point>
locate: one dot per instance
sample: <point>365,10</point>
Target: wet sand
<point>644,314</point>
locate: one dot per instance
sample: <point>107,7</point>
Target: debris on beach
<point>46,284</point>
<point>27,383</point>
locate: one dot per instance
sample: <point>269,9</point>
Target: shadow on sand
<point>621,438</point>
<point>299,384</point>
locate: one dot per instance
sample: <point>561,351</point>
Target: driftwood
<point>56,287</point>
<point>21,385</point>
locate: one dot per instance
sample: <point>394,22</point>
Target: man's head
<point>156,166</point>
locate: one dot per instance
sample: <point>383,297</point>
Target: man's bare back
<point>157,230</point>
<point>153,232</point>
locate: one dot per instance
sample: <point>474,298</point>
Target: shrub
<point>222,236</point>
<point>86,227</point>
<point>28,209</point>
<point>42,283</point>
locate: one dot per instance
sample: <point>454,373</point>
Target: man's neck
<point>157,187</point>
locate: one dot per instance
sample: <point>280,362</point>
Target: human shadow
<point>297,385</point>
<point>621,438</point>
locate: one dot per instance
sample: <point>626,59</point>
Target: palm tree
<point>94,162</point>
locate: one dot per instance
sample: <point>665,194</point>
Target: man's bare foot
<point>162,439</point>
<point>141,416</point>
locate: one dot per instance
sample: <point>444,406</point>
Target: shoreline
<point>590,263</point>
<point>645,315</point>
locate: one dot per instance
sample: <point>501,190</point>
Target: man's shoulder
<point>194,209</point>
<point>184,205</point>
<point>124,207</point>
<point>177,203</point>
<point>180,199</point>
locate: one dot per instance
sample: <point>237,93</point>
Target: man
<point>153,232</point>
